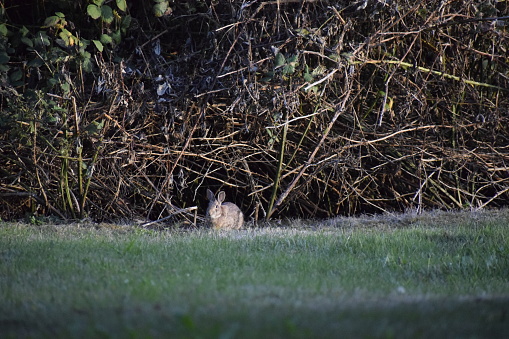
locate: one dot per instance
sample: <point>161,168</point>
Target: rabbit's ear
<point>221,196</point>
<point>210,195</point>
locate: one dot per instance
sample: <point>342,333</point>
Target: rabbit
<point>223,215</point>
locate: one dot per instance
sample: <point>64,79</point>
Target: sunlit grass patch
<point>398,276</point>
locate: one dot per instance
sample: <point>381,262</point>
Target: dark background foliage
<point>132,109</point>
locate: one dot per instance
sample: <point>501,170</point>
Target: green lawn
<point>445,275</point>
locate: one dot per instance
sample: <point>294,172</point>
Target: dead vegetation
<point>295,109</point>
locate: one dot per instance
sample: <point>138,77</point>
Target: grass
<point>441,275</point>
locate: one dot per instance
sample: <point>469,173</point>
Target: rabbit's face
<point>214,209</point>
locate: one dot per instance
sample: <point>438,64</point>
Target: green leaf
<point>334,57</point>
<point>82,43</point>
<point>51,21</point>
<point>121,4</point>
<point>160,8</point>
<point>99,3</point>
<point>37,62</point>
<point>60,15</point>
<point>93,11</point>
<point>116,36</point>
<point>87,65</point>
<point>67,37</point>
<point>308,77</point>
<point>24,31</point>
<point>4,58</point>
<point>319,70</point>
<point>280,60</point>
<point>50,119</point>
<point>52,82</point>
<point>313,89</point>
<point>107,14</point>
<point>16,75</point>
<point>288,69</point>
<point>65,87</point>
<point>27,41</point>
<point>267,77</point>
<point>86,55</point>
<point>98,45</point>
<point>94,127</point>
<point>126,23</point>
<point>106,39</point>
<point>293,59</point>
<point>302,31</point>
<point>64,35</point>
<point>42,39</point>
<point>3,30</point>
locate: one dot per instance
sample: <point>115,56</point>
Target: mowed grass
<point>443,275</point>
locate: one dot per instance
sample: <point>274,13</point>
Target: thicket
<point>125,109</point>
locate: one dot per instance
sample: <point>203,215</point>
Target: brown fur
<point>223,215</point>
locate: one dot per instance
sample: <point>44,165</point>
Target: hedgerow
<point>127,109</point>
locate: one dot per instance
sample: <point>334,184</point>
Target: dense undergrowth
<point>122,109</point>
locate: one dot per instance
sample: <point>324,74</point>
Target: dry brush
<point>294,108</point>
